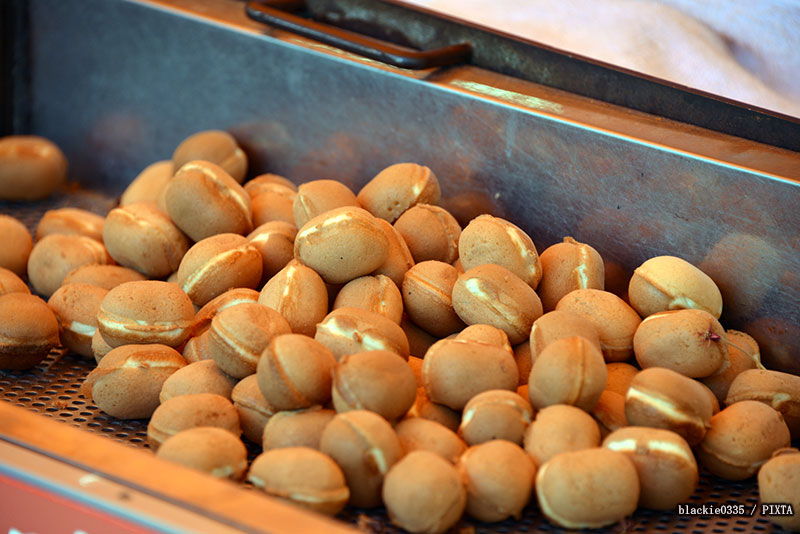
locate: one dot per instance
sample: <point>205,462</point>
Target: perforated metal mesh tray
<point>52,390</point>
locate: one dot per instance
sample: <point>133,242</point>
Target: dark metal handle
<point>273,12</point>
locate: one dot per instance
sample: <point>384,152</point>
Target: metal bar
<point>272,13</point>
<point>542,64</point>
<point>14,67</point>
<point>195,493</point>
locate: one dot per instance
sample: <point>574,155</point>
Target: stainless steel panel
<point>119,84</point>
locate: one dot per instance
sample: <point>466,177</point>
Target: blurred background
<point>746,50</point>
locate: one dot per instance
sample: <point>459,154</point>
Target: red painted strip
<point>33,510</point>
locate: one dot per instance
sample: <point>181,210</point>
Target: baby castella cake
<point>31,167</point>
<point>143,238</point>
<point>491,294</point>
<point>664,462</point>
<point>523,359</point>
<point>377,294</point>
<point>318,196</point>
<point>419,341</point>
<point>226,207</point>
<point>615,320</point>
<point>128,380</point>
<point>189,411</point>
<point>299,294</point>
<point>296,428</point>
<point>232,297</point>
<point>742,437</point>
<point>397,188</point>
<point>196,348</point>
<point>425,408</point>
<point>430,232</point>
<point>352,330</point>
<point>294,372</point>
<point>99,346</point>
<point>11,283</point>
<point>715,407</point>
<point>217,264</point>
<point>197,377</point>
<point>495,414</point>
<point>275,241</point>
<point>590,488</point>
<point>483,333</point>
<point>399,259</point>
<point>428,297</point>
<point>661,398</point>
<point>365,446</point>
<point>342,244</point>
<point>253,409</point>
<point>779,482</point>
<point>670,283</point>
<point>417,433</point>
<point>776,389</point>
<point>238,336</point>
<point>455,370</point>
<point>70,221</point>
<point>264,182</point>
<point>215,146</point>
<point>272,203</point>
<point>145,312</point>
<point>498,477</point>
<point>28,331</point>
<point>302,476</point>
<point>209,449</point>
<point>379,381</point>
<point>568,371</point>
<point>52,259</point>
<point>609,412</point>
<point>619,376</point>
<point>76,307</point>
<point>558,324</point>
<point>743,354</point>
<point>105,276</point>
<point>560,428</point>
<point>488,239</point>
<point>149,185</point>
<point>424,493</point>
<point>18,245</point>
<point>568,266</point>
<point>704,345</point>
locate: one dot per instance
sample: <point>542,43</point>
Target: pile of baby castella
<point>381,353</point>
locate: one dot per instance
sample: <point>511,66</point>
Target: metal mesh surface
<point>52,389</point>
